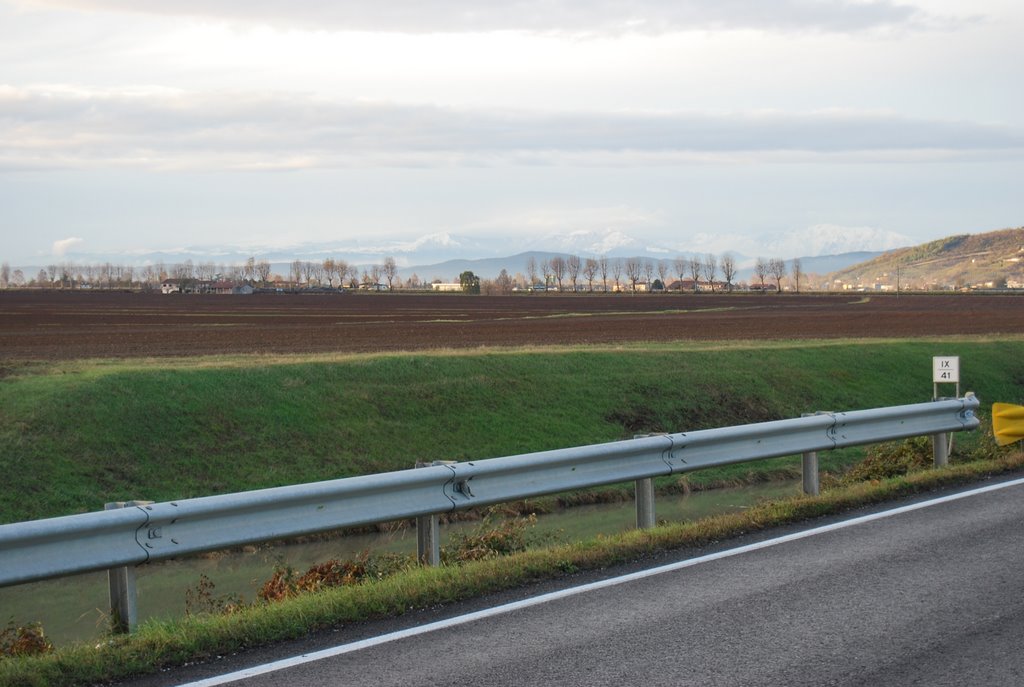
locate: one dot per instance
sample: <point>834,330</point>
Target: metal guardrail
<point>137,534</point>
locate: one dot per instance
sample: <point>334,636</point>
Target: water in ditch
<point>73,609</point>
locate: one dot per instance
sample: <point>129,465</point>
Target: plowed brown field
<point>51,325</point>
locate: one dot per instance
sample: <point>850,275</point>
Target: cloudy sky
<point>693,125</point>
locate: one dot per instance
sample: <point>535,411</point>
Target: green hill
<point>991,260</point>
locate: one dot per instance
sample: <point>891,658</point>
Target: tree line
<point>569,273</point>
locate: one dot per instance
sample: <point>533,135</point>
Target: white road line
<point>552,596</point>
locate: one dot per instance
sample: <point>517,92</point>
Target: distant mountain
<point>485,268</point>
<point>489,268</point>
<point>444,255</point>
<point>986,259</point>
<point>830,239</point>
<point>589,243</point>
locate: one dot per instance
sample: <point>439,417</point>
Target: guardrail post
<point>812,485</point>
<point>124,614</point>
<point>644,503</point>
<point>428,540</point>
<point>940,449</point>
<point>428,530</point>
<point>644,493</point>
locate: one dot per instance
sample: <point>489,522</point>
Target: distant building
<point>221,287</point>
<point>170,286</point>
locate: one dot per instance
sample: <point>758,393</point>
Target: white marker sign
<point>945,369</point>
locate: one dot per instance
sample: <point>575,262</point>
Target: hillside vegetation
<point>76,435</point>
<point>989,259</point>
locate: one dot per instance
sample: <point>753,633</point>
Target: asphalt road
<point>931,597</point>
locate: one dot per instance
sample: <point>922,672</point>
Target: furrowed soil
<point>64,325</point>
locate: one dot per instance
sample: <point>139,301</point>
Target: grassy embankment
<point>148,426</point>
<point>76,435</point>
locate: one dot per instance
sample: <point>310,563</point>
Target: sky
<point>791,127</point>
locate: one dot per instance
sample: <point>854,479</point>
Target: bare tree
<point>633,268</point>
<point>148,276</point>
<point>711,270</point>
<point>5,275</point>
<point>183,270</point>
<point>545,269</point>
<point>263,271</point>
<point>65,272</point>
<point>531,270</point>
<point>761,271</point>
<point>728,269</point>
<point>353,276</point>
<point>340,269</point>
<point>375,272</point>
<point>602,265</point>
<point>681,264</point>
<point>572,268</point>
<point>696,267</point>
<point>330,271</point>
<point>558,270</point>
<point>51,270</point>
<point>589,272</point>
<point>777,268</point>
<point>616,271</point>
<point>798,273</point>
<point>390,270</point>
<point>205,271</point>
<point>648,270</point>
<point>316,272</point>
<point>296,271</point>
<point>663,274</point>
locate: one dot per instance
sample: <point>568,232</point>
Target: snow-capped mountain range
<point>442,253</point>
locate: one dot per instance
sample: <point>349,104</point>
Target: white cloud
<point>63,246</point>
<point>167,129</point>
<point>586,16</point>
<point>575,222</point>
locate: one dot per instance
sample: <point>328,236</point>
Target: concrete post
<point>812,485</point>
<point>644,503</point>
<point>940,449</point>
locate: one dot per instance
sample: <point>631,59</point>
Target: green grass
<point>76,435</point>
<point>166,643</point>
